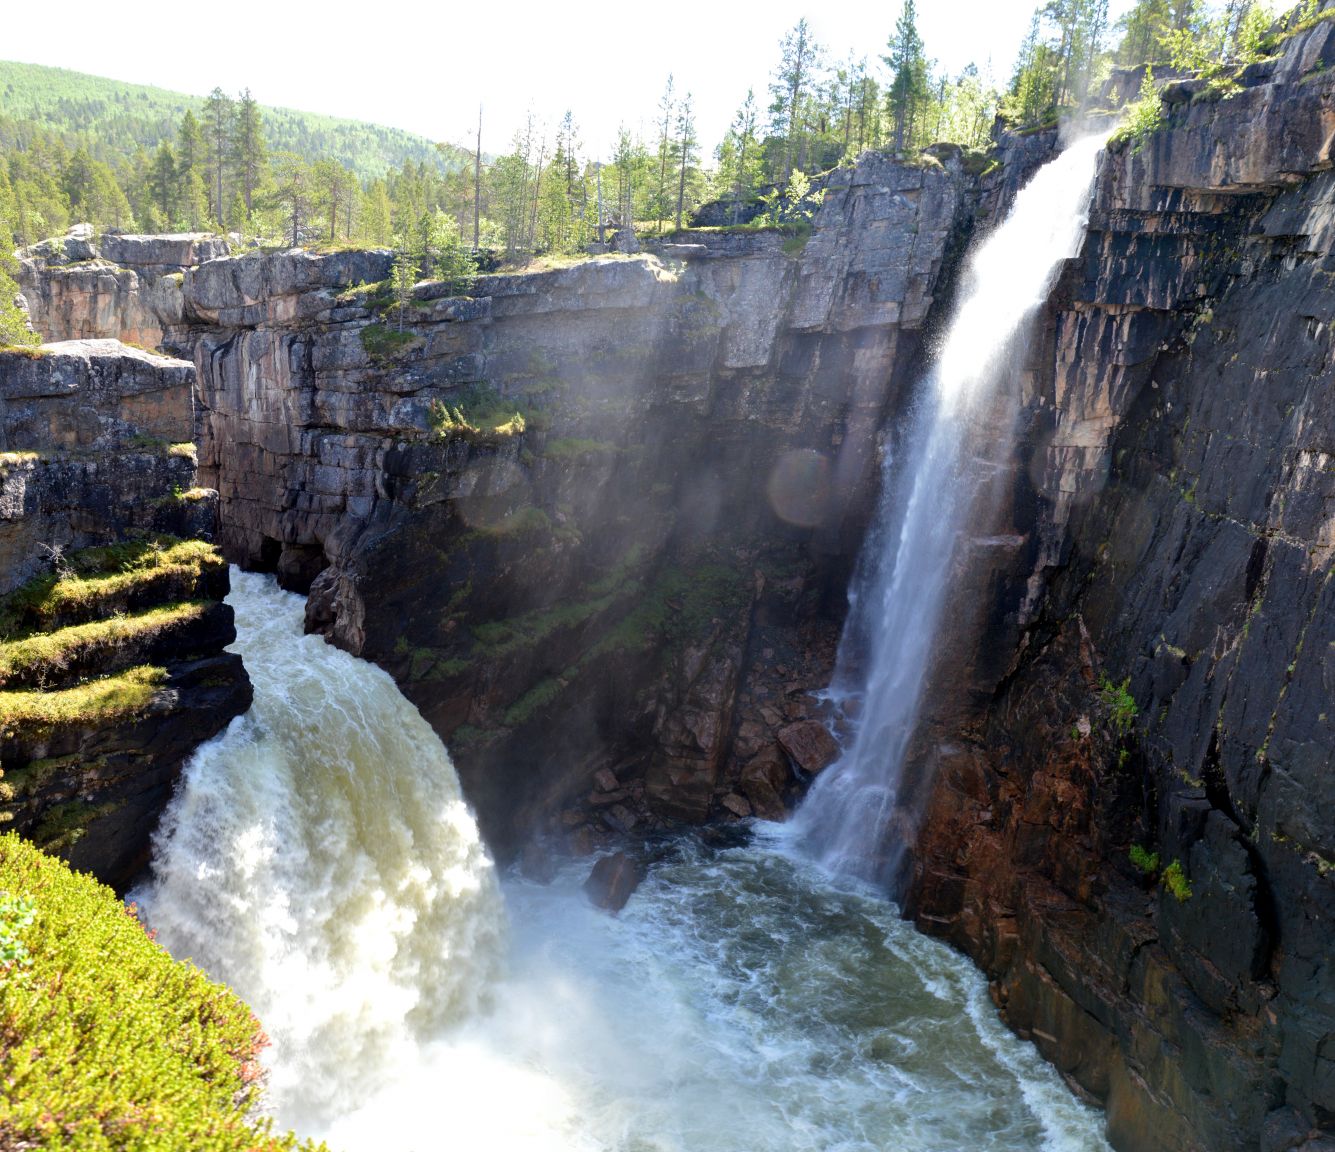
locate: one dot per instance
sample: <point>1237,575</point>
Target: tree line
<point>547,192</point>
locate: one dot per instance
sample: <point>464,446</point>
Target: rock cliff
<point>112,629</point>
<point>1131,829</point>
<point>596,520</point>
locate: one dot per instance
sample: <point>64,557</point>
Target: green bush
<point>106,1042</point>
<point>1144,860</point>
<point>1143,116</point>
<point>1175,880</point>
<point>1120,704</point>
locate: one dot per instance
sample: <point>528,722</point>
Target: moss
<point>52,652</point>
<point>677,606</point>
<point>535,698</point>
<point>382,342</point>
<point>109,1043</point>
<point>1174,880</point>
<point>522,521</point>
<point>92,579</point>
<point>32,777</point>
<point>29,715</point>
<point>63,825</point>
<point>1143,860</point>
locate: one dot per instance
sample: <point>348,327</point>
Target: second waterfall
<point>899,595</point>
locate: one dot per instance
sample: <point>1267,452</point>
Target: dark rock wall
<point>1178,527</point>
<point>96,454</point>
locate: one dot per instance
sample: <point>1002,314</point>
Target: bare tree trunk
<point>477,182</point>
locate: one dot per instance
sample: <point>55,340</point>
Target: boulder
<point>613,880</point>
<point>810,745</point>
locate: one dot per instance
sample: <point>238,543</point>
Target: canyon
<point>617,597</point>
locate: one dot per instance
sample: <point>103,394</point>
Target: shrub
<point>1144,860</point>
<point>479,413</point>
<point>107,1042</point>
<point>1175,880</point>
<point>1120,704</point>
<point>1143,116</point>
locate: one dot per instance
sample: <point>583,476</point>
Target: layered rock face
<point>1170,689</point>
<point>112,629</point>
<point>83,286</point>
<point>596,520</point>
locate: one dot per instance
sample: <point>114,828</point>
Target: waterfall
<point>901,587</point>
<point>318,856</point>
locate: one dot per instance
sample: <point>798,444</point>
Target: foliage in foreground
<point>106,1042</point>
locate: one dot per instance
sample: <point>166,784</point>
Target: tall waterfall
<point>319,857</point>
<point>901,589</point>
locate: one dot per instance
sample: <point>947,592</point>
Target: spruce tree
<point>248,149</point>
<point>219,115</point>
<point>908,66</point>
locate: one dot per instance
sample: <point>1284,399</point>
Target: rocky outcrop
<point>569,511</point>
<point>1167,691</point>
<point>84,286</point>
<point>112,629</point>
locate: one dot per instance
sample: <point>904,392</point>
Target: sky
<point>426,67</point>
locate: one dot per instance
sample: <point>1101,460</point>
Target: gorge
<point>597,524</point>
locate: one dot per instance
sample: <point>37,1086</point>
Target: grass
<point>497,638</point>
<point>106,1042</point>
<point>477,414</point>
<point>94,580</point>
<point>53,652</point>
<point>381,342</point>
<point>535,698</point>
<point>678,605</point>
<point>28,715</point>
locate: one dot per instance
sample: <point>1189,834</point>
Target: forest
<point>71,152</point>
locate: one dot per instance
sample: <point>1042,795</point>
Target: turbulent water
<point>901,589</point>
<point>318,857</point>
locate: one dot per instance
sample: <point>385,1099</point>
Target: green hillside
<point>113,119</point>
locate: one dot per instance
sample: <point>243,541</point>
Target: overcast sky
<point>425,67</point>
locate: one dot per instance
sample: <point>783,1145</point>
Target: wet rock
<point>810,745</point>
<point>738,805</point>
<point>764,780</point>
<point>613,881</point>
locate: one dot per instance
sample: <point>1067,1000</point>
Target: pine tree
<point>666,109</point>
<point>248,149</point>
<point>219,114</point>
<point>799,58</point>
<point>908,66</point>
<point>403,274</point>
<point>13,321</point>
<point>686,147</point>
<point>164,183</point>
<point>293,194</point>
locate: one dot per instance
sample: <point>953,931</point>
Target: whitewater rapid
<point>319,858</point>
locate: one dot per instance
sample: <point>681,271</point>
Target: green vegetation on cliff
<point>97,582</point>
<point>106,1042</point>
